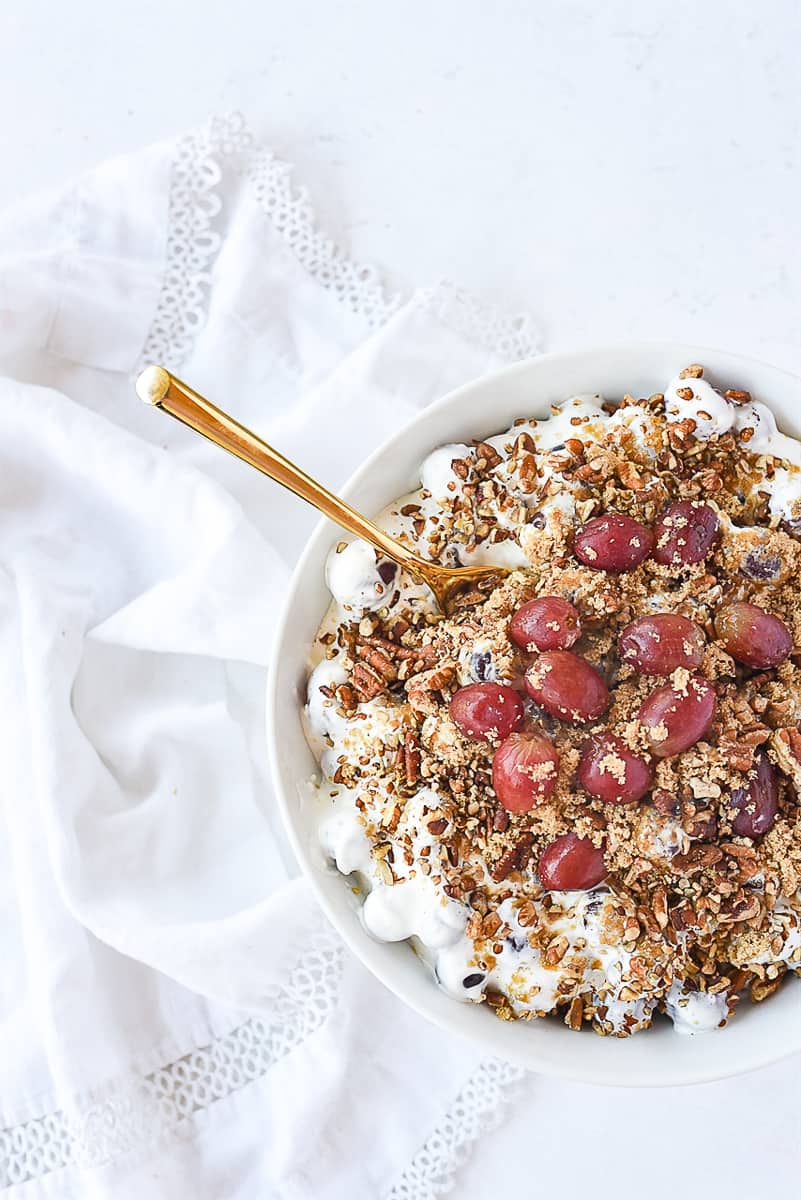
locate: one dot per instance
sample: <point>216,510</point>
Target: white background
<point>618,169</point>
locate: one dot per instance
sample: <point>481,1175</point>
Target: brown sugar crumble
<point>698,900</point>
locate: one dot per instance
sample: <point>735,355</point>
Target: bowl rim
<point>350,930</point>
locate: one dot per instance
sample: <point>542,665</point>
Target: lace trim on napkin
<point>140,1111</point>
<point>510,336</point>
<point>477,1110</point>
<point>192,242</point>
<point>225,145</point>
<point>355,285</point>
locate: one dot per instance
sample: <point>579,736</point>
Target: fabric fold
<point>171,995</point>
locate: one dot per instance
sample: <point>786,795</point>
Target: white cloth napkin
<point>176,1017</point>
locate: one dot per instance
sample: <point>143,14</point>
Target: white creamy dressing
<point>695,1012</point>
<point>414,906</point>
<point>532,986</point>
<point>715,415</point>
<point>437,476</point>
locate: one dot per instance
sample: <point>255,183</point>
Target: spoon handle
<point>158,387</point>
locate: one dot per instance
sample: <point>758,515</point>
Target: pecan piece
<point>378,659</point>
<point>739,746</point>
<point>490,925</point>
<point>524,443</point>
<point>366,682</point>
<point>630,477</point>
<point>786,746</point>
<point>556,952</point>
<point>575,1013</point>
<point>488,453</point>
<point>528,473</point>
<point>698,858</point>
<point>388,647</point>
<point>411,759</point>
<point>513,859</point>
<point>740,911</point>
<point>421,689</point>
<point>347,697</point>
<point>527,914</point>
<point>660,907</point>
<point>762,988</point>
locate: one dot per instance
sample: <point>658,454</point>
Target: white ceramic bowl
<point>759,1034</point>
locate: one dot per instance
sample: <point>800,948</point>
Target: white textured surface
<point>619,175</point>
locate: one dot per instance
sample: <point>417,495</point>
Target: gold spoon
<point>158,387</point>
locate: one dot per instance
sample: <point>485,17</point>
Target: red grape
<point>524,770</point>
<point>612,772</point>
<point>567,686</point>
<point>613,543</point>
<point>758,803</point>
<point>754,637</point>
<point>571,864</point>
<point>486,712</point>
<point>685,533</point>
<point>547,623</point>
<point>658,645</point>
<point>675,718</point>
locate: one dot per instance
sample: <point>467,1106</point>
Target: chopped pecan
<point>739,746</point>
<point>528,473</point>
<point>786,746</point>
<point>666,803</point>
<point>575,1013</point>
<point>709,480</point>
<point>703,827</point>
<point>514,858</point>
<point>473,927</point>
<point>411,759</point>
<point>762,988</point>
<point>524,443</point>
<point>378,659</point>
<point>347,697</point>
<point>659,907</point>
<point>556,951</point>
<point>683,917</point>
<point>423,688</point>
<point>680,432</point>
<point>527,914</point>
<point>488,453</point>
<point>698,858</point>
<point>490,925</point>
<point>366,682</point>
<point>629,476</point>
<point>740,910</point>
<point>737,396</point>
<point>388,647</point>
<point>467,598</point>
